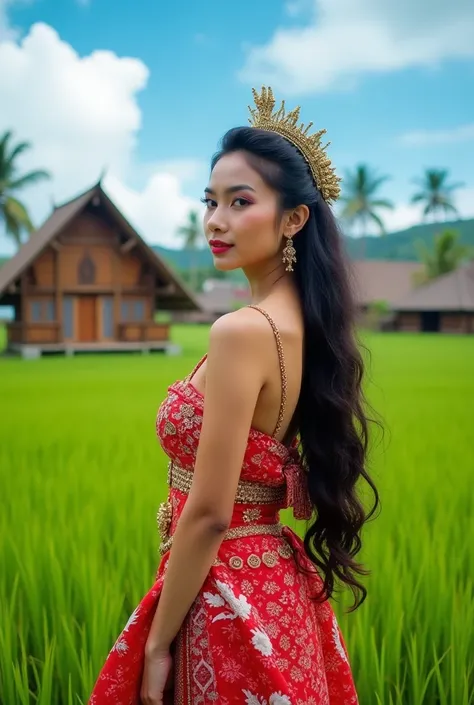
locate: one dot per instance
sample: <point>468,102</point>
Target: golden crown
<point>265,117</point>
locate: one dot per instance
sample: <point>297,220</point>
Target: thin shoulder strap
<point>281,360</point>
<point>189,377</point>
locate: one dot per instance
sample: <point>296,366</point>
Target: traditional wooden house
<point>87,281</point>
<point>444,305</point>
<point>372,281</point>
<point>382,280</point>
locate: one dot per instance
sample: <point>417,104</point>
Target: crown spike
<point>265,117</point>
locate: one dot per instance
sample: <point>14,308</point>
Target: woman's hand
<point>157,678</point>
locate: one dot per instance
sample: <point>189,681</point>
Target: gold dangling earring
<point>289,253</point>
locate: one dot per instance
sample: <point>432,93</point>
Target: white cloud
<point>185,170</point>
<point>81,115</point>
<point>462,133</point>
<point>349,38</point>
<point>156,211</point>
<point>404,215</point>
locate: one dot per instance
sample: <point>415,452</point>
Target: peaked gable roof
<point>450,292</point>
<point>60,218</point>
<point>382,280</point>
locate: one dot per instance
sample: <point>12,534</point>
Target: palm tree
<point>360,199</point>
<point>436,193</point>
<point>12,211</point>
<point>447,254</point>
<point>193,236</point>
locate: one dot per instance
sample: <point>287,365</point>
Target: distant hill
<point>393,246</point>
<point>401,245</point>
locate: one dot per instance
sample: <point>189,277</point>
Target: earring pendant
<point>289,255</point>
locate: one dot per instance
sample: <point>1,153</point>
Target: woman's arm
<point>234,378</point>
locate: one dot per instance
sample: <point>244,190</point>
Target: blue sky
<point>146,88</point>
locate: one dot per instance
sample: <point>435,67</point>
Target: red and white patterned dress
<point>253,636</point>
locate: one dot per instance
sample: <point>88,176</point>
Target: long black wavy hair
<point>330,417</point>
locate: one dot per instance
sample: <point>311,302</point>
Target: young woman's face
<point>240,221</point>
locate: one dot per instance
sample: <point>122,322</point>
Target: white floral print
<point>120,646</point>
<point>337,639</point>
<point>262,642</point>
<point>279,699</point>
<point>132,619</point>
<point>214,600</point>
<point>239,605</point>
<point>275,699</point>
<point>253,699</point>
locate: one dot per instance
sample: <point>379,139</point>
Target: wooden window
<point>42,311</point>
<point>107,317</point>
<point>139,310</point>
<point>49,311</point>
<point>36,311</point>
<point>133,310</point>
<point>68,317</point>
<point>86,273</point>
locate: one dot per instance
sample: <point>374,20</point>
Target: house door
<point>87,318</point>
<point>430,321</point>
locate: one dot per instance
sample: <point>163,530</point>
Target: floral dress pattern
<point>253,635</point>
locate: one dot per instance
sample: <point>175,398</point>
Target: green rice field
<point>81,476</point>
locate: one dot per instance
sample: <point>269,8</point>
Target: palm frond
<point>12,229</point>
<point>382,203</point>
<point>419,197</point>
<point>31,178</point>
<point>17,150</point>
<point>373,216</point>
<point>16,211</point>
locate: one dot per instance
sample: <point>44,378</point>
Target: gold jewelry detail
<point>250,515</point>
<point>285,124</point>
<point>285,550</point>
<point>270,559</point>
<point>170,429</point>
<point>247,492</point>
<point>254,561</point>
<point>237,532</point>
<point>163,519</point>
<point>289,254</point>
<point>236,562</point>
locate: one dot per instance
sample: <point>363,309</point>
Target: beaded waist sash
<point>247,493</point>
<point>236,532</point>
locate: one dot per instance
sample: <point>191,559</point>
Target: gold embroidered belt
<point>247,492</point>
<point>236,532</point>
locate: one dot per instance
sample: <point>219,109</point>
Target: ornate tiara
<point>265,117</point>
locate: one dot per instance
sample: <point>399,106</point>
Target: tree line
<point>361,202</point>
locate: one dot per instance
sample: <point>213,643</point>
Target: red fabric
<point>253,635</point>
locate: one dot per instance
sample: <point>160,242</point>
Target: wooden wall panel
<point>409,322</point>
<point>41,334</point>
<point>454,323</point>
<point>71,256</point>
<point>102,257</point>
<point>43,268</point>
<point>130,268</point>
<point>87,229</point>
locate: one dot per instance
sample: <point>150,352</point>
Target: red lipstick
<point>218,247</point>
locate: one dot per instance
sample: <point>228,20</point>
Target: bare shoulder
<point>244,328</point>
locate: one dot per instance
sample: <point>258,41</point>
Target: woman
<point>271,417</point>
